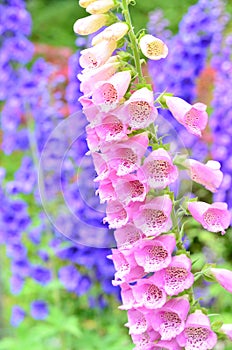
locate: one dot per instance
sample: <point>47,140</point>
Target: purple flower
<point>84,285</point>
<point>16,284</point>
<point>39,309</point>
<point>69,277</point>
<point>17,316</point>
<point>41,274</point>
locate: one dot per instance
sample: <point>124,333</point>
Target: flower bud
<point>85,3</point>
<point>152,47</point>
<point>90,24</point>
<point>114,32</point>
<point>101,6</point>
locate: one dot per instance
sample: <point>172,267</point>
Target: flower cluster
<point>135,172</point>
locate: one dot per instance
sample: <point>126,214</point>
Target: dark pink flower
<point>130,189</point>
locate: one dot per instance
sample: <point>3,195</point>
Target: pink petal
<point>177,107</point>
<point>136,322</point>
<point>116,214</point>
<point>223,277</point>
<point>97,55</point>
<point>127,236</point>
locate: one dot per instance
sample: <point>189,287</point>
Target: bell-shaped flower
<point>193,117</point>
<point>127,236</point>
<point>145,341</point>
<point>223,277</point>
<point>125,157</point>
<point>169,321</point>
<point>167,345</point>
<point>130,189</point>
<point>109,128</point>
<point>177,276</point>
<point>153,218</point>
<point>197,334</point>
<point>137,322</point>
<point>154,255</point>
<point>209,175</point>
<point>213,217</point>
<point>106,191</point>
<point>149,293</point>
<point>227,329</point>
<point>91,24</point>
<point>116,214</point>
<point>97,55</point>
<point>158,169</point>
<point>108,94</point>
<point>114,32</point>
<point>100,166</point>
<point>139,112</point>
<point>152,47</point>
<point>100,6</point>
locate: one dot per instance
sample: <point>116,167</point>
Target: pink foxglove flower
<point>213,217</point>
<point>138,112</point>
<point>100,6</point>
<point>169,321</point>
<point>145,341</point>
<point>91,24</point>
<point>197,334</point>
<point>109,128</point>
<point>149,293</point>
<point>97,55</point>
<point>153,218</point>
<point>130,189</point>
<point>108,94</point>
<point>125,157</point>
<point>152,47</point>
<point>137,322</point>
<point>193,117</point>
<point>155,254</point>
<point>114,32</point>
<point>158,169</point>
<point>101,166</point>
<point>223,277</point>
<point>117,215</point>
<point>106,191</point>
<point>166,345</point>
<point>208,175</point>
<point>177,277</point>
<point>227,329</point>
<point>127,236</point>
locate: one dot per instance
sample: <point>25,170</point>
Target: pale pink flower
<point>209,175</point>
<point>153,218</point>
<point>89,109</point>
<point>197,334</point>
<point>106,191</point>
<point>89,78</point>
<point>223,277</point>
<point>166,345</point>
<point>152,47</point>
<point>227,329</point>
<point>158,169</point>
<point>125,157</point>
<point>127,236</point>
<point>138,112</point>
<point>97,55</point>
<point>145,341</point>
<point>92,139</point>
<point>213,217</point>
<point>109,128</point>
<point>169,321</point>
<point>177,276</point>
<point>137,322</point>
<point>108,94</point>
<point>128,299</point>
<point>193,117</point>
<point>100,166</point>
<point>130,189</point>
<point>154,254</point>
<point>114,32</point>
<point>91,24</point>
<point>100,6</point>
<point>116,214</point>
<point>149,293</point>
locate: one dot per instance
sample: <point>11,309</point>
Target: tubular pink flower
<point>108,94</point>
<point>97,55</point>
<point>158,169</point>
<point>125,157</point>
<point>177,276</point>
<point>91,24</point>
<point>197,334</point>
<point>109,128</point>
<point>193,117</point>
<point>136,322</point>
<point>138,112</point>
<point>152,47</point>
<point>130,189</point>
<point>227,329</point>
<point>101,166</point>
<point>127,236</point>
<point>209,175</point>
<point>145,341</point>
<point>116,214</point>
<point>153,218</point>
<point>166,345</point>
<point>213,217</point>
<point>155,254</point>
<point>169,321</point>
<point>223,277</point>
<point>106,191</point>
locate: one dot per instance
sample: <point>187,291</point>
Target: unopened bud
<point>114,32</point>
<point>85,3</point>
<point>101,6</point>
<point>152,47</point>
<point>90,24</point>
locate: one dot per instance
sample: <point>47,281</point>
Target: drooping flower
<point>177,276</point>
<point>127,236</point>
<point>152,47</point>
<point>213,217</point>
<point>100,6</point>
<point>208,175</point>
<point>145,341</point>
<point>169,321</point>
<point>85,3</point>
<point>115,32</point>
<point>167,345</point>
<point>158,169</point>
<point>193,117</point>
<point>153,217</point>
<point>137,322</point>
<point>138,112</point>
<point>197,334</point>
<point>116,214</point>
<point>91,24</point>
<point>223,277</point>
<point>130,189</point>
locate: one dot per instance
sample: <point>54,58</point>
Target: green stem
<point>133,41</point>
